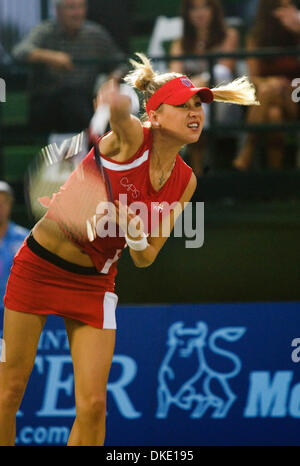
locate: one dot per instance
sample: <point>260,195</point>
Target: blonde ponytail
<point>240,91</point>
<point>144,78</point>
<point>142,75</point>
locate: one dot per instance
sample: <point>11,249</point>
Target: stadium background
<point>250,255</point>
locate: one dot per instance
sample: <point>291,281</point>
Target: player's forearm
<point>143,258</point>
<point>120,113</point>
<point>120,117</point>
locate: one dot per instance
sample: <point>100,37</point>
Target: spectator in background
<point>11,236</point>
<point>66,53</point>
<point>276,25</point>
<point>205,31</point>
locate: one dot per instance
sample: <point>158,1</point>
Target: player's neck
<point>163,159</point>
<point>169,148</point>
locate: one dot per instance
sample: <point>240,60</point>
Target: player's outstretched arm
<point>126,134</point>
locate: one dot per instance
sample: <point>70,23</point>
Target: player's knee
<point>11,393</point>
<point>92,408</point>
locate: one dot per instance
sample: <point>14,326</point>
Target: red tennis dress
<point>42,283</point>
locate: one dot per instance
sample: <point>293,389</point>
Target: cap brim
<point>182,96</point>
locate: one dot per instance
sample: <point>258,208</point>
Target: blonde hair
<point>240,91</point>
<point>143,77</point>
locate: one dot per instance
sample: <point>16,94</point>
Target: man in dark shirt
<point>66,55</point>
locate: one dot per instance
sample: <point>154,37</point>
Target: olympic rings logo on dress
<point>130,187</point>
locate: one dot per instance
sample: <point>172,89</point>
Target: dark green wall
<point>251,252</point>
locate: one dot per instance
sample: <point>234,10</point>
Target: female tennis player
<point>60,271</point>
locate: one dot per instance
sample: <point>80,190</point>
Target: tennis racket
<point>59,181</point>
<point>60,174</point>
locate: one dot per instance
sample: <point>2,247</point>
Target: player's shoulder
<point>186,175</point>
<point>189,187</point>
<point>183,165</point>
<point>193,181</point>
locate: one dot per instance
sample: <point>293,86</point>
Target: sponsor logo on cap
<point>186,82</point>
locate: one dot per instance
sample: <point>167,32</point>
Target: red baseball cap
<point>177,92</point>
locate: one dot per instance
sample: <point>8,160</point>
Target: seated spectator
<point>66,52</point>
<point>277,25</point>
<point>205,31</point>
<point>11,236</point>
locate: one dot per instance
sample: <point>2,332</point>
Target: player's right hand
<point>109,94</point>
<point>131,223</point>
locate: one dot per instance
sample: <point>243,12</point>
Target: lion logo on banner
<point>203,386</point>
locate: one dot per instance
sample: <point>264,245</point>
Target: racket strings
<point>74,206</point>
<point>69,187</point>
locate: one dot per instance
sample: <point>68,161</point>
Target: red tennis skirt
<point>42,283</point>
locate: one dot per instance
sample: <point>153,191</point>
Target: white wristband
<point>138,245</point>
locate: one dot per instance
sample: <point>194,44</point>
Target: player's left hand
<point>131,224</point>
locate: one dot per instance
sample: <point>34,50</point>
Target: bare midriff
<point>48,234</point>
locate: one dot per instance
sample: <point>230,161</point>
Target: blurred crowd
<point>84,42</point>
<point>269,24</point>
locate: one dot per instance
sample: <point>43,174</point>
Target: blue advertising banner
<point>215,374</point>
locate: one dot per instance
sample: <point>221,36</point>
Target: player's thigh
<point>92,352</point>
<point>21,333</point>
